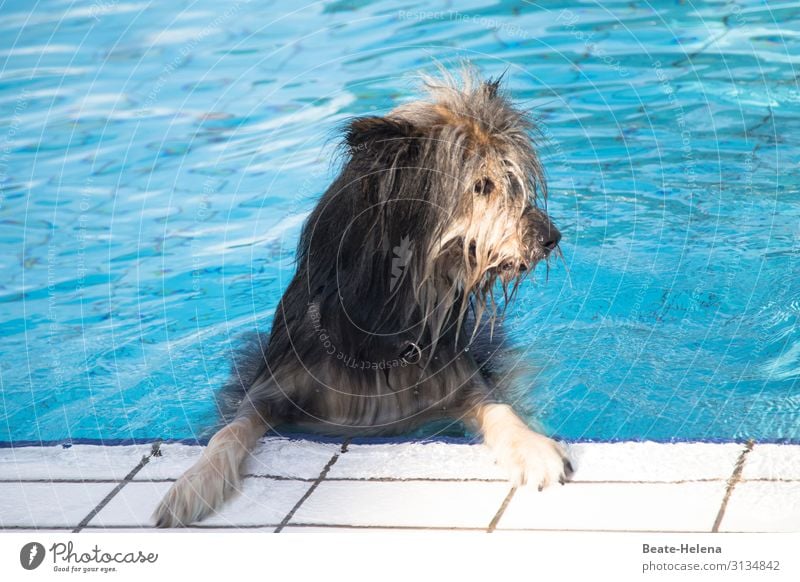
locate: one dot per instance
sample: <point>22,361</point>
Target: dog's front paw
<point>195,495</point>
<point>533,459</point>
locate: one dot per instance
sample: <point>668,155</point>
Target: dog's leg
<point>203,488</point>
<point>528,456</point>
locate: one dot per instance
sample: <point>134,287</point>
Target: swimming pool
<point>158,161</point>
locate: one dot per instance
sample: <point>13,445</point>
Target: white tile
<point>340,529</point>
<point>417,460</point>
<point>763,506</point>
<point>200,530</point>
<point>49,504</point>
<point>616,506</point>
<point>406,503</point>
<point>280,457</point>
<point>262,502</point>
<point>171,462</point>
<point>228,529</point>
<point>653,461</point>
<point>772,462</point>
<point>132,506</point>
<point>75,462</point>
<point>315,529</point>
<point>55,530</point>
<point>293,458</point>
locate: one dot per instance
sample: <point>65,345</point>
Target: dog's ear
<point>378,134</point>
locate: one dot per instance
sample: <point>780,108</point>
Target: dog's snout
<point>551,239</point>
<point>544,236</point>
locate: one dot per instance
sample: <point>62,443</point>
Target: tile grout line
<point>154,451</point>
<point>734,479</point>
<point>501,510</point>
<point>314,485</point>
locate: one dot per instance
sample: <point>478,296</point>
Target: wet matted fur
<point>435,213</point>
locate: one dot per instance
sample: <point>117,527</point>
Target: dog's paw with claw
<point>533,459</point>
<point>196,494</point>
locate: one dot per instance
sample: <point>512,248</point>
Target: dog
<point>436,213</point>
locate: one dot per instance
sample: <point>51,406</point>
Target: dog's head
<point>440,199</point>
<point>487,178</point>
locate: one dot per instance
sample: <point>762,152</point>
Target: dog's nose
<point>544,234</point>
<point>551,239</point>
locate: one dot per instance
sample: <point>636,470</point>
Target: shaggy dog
<point>434,214</point>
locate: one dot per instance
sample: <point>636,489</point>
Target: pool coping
<point>115,442</point>
<point>301,485</point>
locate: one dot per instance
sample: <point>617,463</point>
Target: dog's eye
<point>484,187</point>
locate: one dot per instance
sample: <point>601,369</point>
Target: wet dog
<point>400,268</point>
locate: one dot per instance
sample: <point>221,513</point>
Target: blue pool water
<point>158,160</point>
